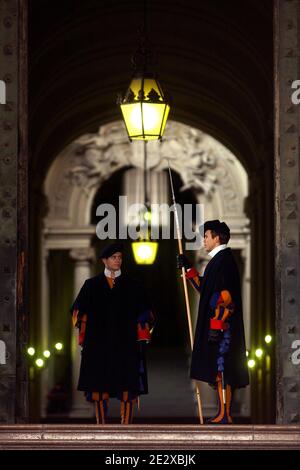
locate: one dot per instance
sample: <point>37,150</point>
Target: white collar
<point>216,250</point>
<point>108,273</point>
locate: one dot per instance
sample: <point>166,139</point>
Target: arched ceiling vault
<point>214,58</point>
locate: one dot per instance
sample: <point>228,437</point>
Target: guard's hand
<point>215,336</point>
<point>183,262</point>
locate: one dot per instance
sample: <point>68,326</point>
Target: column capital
<point>82,254</point>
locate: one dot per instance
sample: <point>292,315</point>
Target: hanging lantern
<point>144,251</point>
<point>145,107</point>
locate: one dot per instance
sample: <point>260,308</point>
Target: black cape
<point>221,273</point>
<point>112,359</point>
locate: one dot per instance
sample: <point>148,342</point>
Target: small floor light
<point>31,351</point>
<point>259,353</point>
<point>251,363</point>
<point>268,339</point>
<point>39,362</point>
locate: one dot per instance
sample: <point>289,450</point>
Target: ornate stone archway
<point>205,166</point>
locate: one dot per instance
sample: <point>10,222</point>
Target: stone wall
<point>287,194</point>
<point>13,175</point>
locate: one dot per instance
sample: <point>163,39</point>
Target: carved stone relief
<point>205,166</point>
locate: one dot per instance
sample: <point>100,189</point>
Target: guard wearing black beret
<point>219,353</point>
<point>114,319</point>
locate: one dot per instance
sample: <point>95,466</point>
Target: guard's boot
<point>229,395</point>
<point>101,407</point>
<point>224,413</point>
<point>127,411</point>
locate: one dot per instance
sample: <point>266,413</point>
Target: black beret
<point>109,250</point>
<point>216,226</point>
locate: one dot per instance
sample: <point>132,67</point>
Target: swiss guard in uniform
<point>219,353</point>
<point>114,319</point>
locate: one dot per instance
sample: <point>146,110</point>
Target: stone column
<point>243,396</point>
<point>287,202</point>
<point>44,331</point>
<point>44,325</point>
<point>82,270</point>
<point>246,288</point>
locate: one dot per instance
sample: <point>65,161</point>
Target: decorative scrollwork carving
<point>190,152</point>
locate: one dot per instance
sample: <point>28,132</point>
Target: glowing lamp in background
<point>148,216</point>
